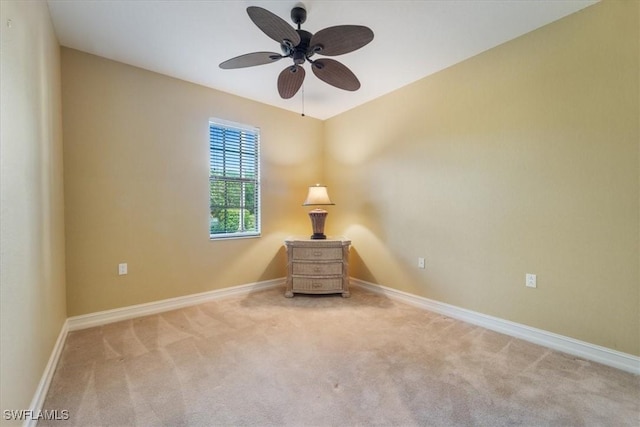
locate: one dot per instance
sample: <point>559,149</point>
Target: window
<point>234,180</point>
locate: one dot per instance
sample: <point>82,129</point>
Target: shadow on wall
<point>356,263</point>
<point>373,260</point>
<point>276,267</point>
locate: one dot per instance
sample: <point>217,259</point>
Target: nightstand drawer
<point>316,285</point>
<point>322,269</point>
<point>318,253</point>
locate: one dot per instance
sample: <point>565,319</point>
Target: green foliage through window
<point>234,180</point>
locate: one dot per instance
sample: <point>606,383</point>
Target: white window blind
<point>234,180</point>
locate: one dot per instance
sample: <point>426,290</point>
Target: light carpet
<point>265,360</point>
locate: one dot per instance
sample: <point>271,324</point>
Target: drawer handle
<point>316,285</point>
<point>317,253</point>
<point>317,269</point>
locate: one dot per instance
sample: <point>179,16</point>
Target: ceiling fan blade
<point>341,39</point>
<point>251,60</point>
<point>273,26</point>
<point>336,74</point>
<point>290,80</point>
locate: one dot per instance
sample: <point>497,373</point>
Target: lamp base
<point>318,217</point>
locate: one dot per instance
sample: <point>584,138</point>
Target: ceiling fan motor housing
<point>300,51</point>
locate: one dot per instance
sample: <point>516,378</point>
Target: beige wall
<point>136,185</point>
<point>32,275</point>
<point>523,159</point>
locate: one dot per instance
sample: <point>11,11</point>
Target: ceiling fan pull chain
<point>302,100</point>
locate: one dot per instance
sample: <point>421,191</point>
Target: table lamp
<point>318,196</point>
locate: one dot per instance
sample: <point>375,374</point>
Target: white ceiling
<point>188,39</point>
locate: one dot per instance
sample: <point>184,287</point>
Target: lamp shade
<point>317,196</point>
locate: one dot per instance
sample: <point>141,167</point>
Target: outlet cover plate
<point>530,281</point>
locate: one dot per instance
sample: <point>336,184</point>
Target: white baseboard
<point>109,316</point>
<point>45,381</point>
<point>596,353</point>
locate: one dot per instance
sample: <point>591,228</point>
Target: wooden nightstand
<point>317,266</point>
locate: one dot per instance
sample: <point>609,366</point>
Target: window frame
<point>253,155</point>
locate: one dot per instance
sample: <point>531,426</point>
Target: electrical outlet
<point>420,262</point>
<point>530,280</point>
<point>122,269</point>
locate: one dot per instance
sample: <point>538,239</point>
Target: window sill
<point>232,236</point>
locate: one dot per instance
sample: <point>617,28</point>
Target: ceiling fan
<point>301,46</point>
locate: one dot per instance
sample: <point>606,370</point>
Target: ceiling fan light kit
<point>301,46</point>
